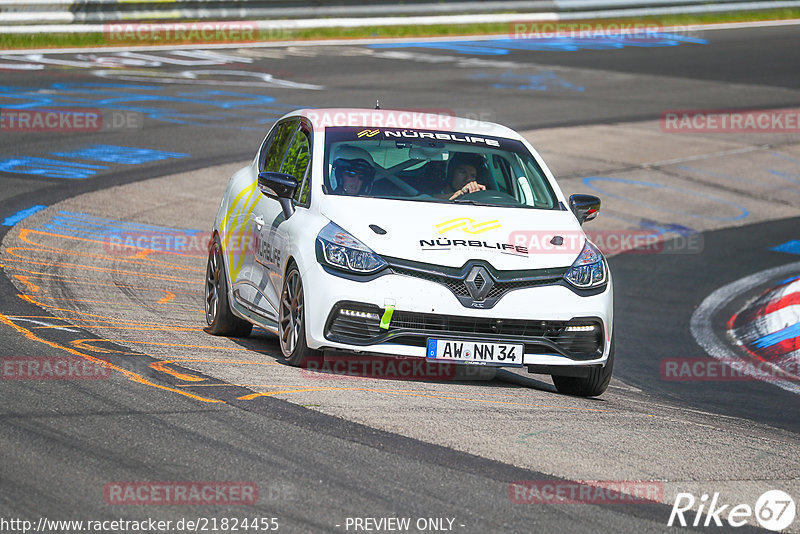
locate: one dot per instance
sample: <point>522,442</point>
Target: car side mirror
<point>280,187</point>
<point>585,207</point>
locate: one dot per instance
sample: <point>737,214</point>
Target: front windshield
<point>427,166</point>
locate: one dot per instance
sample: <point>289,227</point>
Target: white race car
<point>383,232</point>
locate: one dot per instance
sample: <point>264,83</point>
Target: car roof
<point>402,119</point>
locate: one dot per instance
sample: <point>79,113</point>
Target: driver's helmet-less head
<point>350,159</point>
<point>462,158</point>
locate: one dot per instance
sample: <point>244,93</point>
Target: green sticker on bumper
<point>387,317</point>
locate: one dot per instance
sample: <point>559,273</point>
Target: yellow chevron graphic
<point>467,225</point>
<point>235,230</point>
<point>368,133</point>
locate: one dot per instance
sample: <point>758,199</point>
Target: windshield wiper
<point>488,204</point>
<point>475,202</point>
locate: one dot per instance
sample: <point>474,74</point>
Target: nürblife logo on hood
<point>444,243</point>
<point>470,226</point>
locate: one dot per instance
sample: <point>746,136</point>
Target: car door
<point>248,272</point>
<point>271,224</point>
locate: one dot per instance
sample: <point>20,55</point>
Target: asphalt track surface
<point>325,449</point>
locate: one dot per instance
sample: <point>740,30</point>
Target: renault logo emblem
<point>478,283</point>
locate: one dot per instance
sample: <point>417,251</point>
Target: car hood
<point>452,234</point>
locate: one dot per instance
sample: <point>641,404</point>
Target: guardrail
<point>87,12</point>
<point>92,11</point>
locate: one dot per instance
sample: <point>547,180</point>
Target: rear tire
<point>591,386</point>
<point>292,320</point>
<point>221,320</point>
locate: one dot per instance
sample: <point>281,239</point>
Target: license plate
<point>475,352</point>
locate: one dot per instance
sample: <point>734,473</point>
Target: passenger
<point>463,172</point>
<point>354,171</point>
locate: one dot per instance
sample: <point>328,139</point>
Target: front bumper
<point>550,320</point>
<point>358,324</point>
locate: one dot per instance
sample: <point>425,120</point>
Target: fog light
<point>359,314</point>
<point>587,328</point>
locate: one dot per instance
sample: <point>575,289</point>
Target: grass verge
<point>65,40</point>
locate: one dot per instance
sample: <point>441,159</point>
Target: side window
<point>505,172</point>
<point>275,147</point>
<point>296,163</point>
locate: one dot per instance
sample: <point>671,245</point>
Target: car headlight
<point>589,269</point>
<point>341,250</point>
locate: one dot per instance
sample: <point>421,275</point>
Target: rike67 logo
<point>774,510</point>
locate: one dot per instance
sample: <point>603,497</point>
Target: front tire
<point>292,319</point>
<point>591,386</point>
<point>221,320</point>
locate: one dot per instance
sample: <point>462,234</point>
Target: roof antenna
<point>377,104</point>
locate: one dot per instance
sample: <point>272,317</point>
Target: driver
<point>354,171</point>
<point>462,175</point>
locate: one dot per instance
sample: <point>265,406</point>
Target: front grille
<point>479,282</point>
<point>413,329</point>
<point>453,324</point>
<point>459,288</point>
<point>501,288</point>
